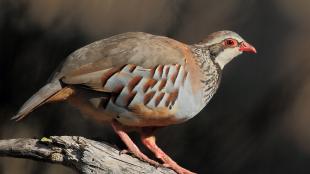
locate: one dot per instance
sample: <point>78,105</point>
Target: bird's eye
<point>231,42</point>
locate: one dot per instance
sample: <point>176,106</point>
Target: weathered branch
<point>84,155</point>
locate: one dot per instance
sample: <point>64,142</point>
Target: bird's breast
<point>190,101</point>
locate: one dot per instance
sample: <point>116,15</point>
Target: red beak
<point>244,46</point>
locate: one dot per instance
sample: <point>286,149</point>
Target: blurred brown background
<point>257,123</point>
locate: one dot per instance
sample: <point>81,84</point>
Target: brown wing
<point>136,48</point>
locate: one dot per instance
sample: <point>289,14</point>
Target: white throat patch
<point>226,56</point>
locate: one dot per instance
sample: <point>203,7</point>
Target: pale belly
<point>186,106</point>
<point>181,111</point>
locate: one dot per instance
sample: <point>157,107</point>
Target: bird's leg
<point>149,140</point>
<point>132,147</point>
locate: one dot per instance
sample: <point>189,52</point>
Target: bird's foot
<point>141,156</point>
<point>132,148</point>
<point>174,166</point>
<point>149,142</point>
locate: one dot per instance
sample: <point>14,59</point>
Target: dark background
<point>258,122</point>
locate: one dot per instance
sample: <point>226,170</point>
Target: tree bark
<point>84,155</point>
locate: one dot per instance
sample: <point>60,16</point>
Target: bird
<point>141,82</point>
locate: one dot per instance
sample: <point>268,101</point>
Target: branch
<point>82,154</point>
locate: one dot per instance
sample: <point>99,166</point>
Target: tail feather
<point>38,99</point>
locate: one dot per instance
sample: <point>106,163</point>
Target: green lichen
<point>46,140</point>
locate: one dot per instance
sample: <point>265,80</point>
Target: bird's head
<point>223,46</point>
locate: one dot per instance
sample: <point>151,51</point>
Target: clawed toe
<point>140,156</point>
<point>177,168</point>
<point>148,160</point>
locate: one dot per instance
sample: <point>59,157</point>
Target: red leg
<point>149,141</point>
<point>130,144</point>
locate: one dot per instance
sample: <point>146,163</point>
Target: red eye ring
<point>231,42</point>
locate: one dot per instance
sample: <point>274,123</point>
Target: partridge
<point>141,82</point>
